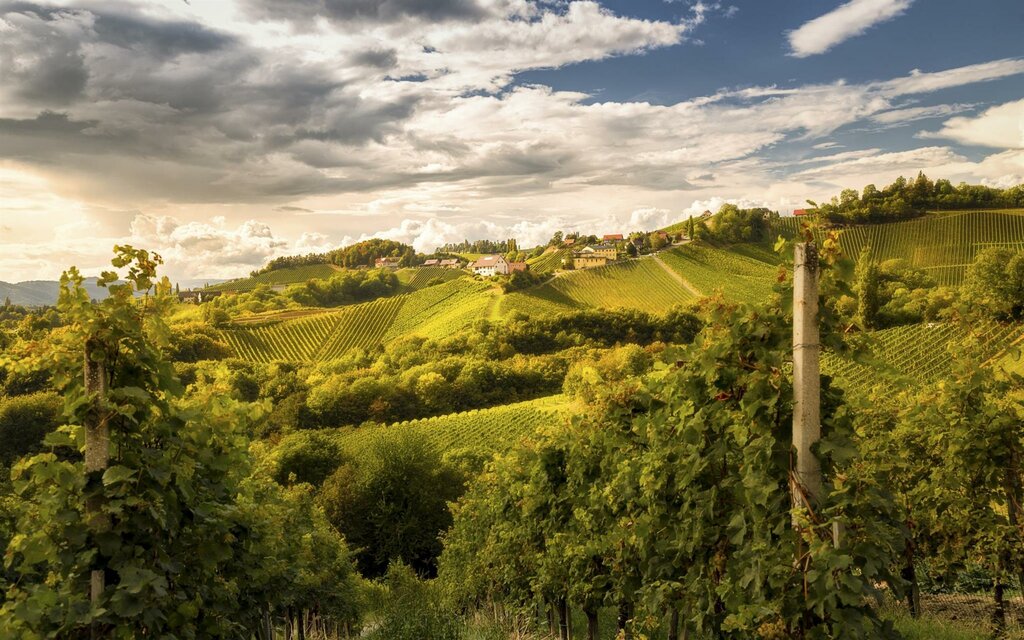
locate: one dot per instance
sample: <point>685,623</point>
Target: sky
<point>223,133</point>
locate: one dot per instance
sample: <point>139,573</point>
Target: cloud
<point>1000,127</point>
<point>365,10</point>
<point>846,21</point>
<point>913,114</point>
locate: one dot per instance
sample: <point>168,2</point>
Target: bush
<point>24,421</point>
<point>197,341</point>
<point>307,456</point>
<point>410,609</point>
<point>392,503</point>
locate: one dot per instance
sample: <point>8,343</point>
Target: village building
<point>589,261</point>
<point>612,237</point>
<point>387,263</point>
<point>433,262</point>
<point>605,250</point>
<point>490,266</point>
<point>594,256</point>
<point>197,297</point>
<point>800,212</point>
<point>452,263</point>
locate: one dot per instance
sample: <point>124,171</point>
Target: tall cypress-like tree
<point>867,283</point>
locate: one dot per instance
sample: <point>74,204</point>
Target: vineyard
<point>530,303</point>
<point>440,310</point>
<point>416,279</point>
<point>942,244</point>
<point>319,337</point>
<point>636,284</point>
<point>279,277</point>
<point>481,430</point>
<point>922,353</point>
<point>742,273</point>
<point>549,260</point>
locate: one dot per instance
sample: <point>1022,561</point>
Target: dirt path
<point>678,278</point>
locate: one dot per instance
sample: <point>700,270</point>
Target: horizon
<point>224,134</point>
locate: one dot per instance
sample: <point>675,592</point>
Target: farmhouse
<point>595,256</point>
<point>387,263</point>
<point>800,212</point>
<point>452,263</point>
<point>433,262</point>
<point>589,260</point>
<point>612,237</point>
<point>197,297</point>
<point>490,266</point>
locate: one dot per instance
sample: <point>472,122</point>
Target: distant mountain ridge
<point>38,293</point>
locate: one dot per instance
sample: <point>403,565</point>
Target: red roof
<point>518,266</point>
<point>613,236</point>
<point>800,212</point>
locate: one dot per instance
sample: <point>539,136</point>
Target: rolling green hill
<point>643,284</point>
<point>416,279</point>
<point>319,335</point>
<point>744,273</point>
<point>943,244</point>
<point>277,277</point>
<point>483,431</point>
<point>549,260</point>
<point>922,353</point>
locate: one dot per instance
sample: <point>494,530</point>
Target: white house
<point>490,266</point>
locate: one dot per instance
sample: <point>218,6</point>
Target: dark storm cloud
<point>366,10</point>
<point>143,107</point>
<point>377,58</point>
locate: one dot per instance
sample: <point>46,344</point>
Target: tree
<point>391,503</point>
<point>867,282</point>
<point>175,527</point>
<point>995,283</point>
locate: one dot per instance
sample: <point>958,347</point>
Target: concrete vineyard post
<point>97,452</point>
<point>806,376</point>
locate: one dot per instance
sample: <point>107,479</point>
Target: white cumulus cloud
<point>845,22</point>
<point>1001,127</point>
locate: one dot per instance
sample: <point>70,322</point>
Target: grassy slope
<point>742,273</point>
<point>922,353</point>
<point>481,430</point>
<point>549,260</point>
<point>943,244</point>
<point>416,279</point>
<point>291,275</point>
<point>318,335</point>
<point>632,284</point>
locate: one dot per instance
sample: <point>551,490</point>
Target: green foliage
<point>955,451</point>
<point>867,283</point>
<point>195,341</point>
<point>307,456</point>
<point>995,283</point>
<point>24,421</point>
<point>909,198</point>
<point>365,253</point>
<point>175,522</point>
<point>673,493</point>
<point>732,224</point>
<point>409,608</point>
<point>391,503</point>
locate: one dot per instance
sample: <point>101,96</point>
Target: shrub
<point>24,420</point>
